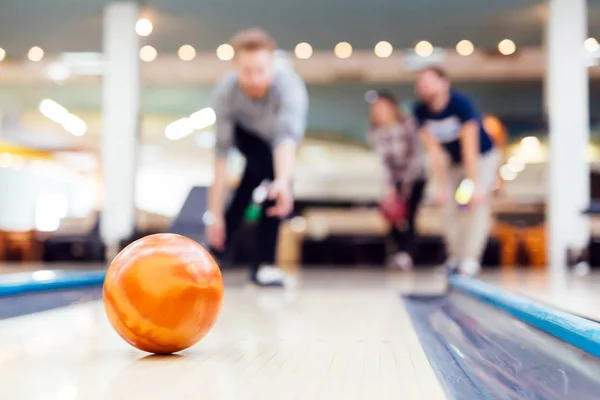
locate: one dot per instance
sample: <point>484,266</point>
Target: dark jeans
<point>259,166</point>
<point>404,239</point>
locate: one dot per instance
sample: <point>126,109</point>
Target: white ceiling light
<point>507,47</point>
<point>465,48</point>
<point>343,50</point>
<point>185,126</point>
<point>383,49</point>
<point>74,125</point>
<point>57,113</point>
<point>35,54</point>
<point>143,27</point>
<point>225,52</point>
<point>203,118</point>
<point>187,52</point>
<point>424,48</point>
<point>591,45</point>
<point>58,72</point>
<point>179,129</point>
<point>52,110</point>
<point>303,51</point>
<point>148,54</point>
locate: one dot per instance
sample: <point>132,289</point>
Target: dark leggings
<point>405,238</point>
<point>259,166</point>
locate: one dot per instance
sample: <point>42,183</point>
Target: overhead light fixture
<point>148,53</point>
<point>143,27</point>
<point>507,47</point>
<point>35,54</point>
<point>507,173</point>
<point>187,52</point>
<point>74,125</point>
<point>60,115</point>
<point>343,50</point>
<point>185,126</point>
<point>303,51</point>
<point>179,129</point>
<point>465,48</point>
<point>383,49</point>
<point>424,48</point>
<point>591,45</point>
<point>225,52</point>
<point>52,110</point>
<point>203,118</point>
<point>58,71</point>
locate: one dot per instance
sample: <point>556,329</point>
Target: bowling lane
<point>339,335</point>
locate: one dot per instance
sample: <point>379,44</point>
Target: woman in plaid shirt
<point>394,137</point>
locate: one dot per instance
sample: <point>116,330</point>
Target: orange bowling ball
<point>163,293</point>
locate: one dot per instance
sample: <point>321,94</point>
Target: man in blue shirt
<point>462,153</point>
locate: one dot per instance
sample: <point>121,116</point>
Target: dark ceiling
<point>75,25</point>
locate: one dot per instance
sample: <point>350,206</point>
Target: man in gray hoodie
<point>262,111</point>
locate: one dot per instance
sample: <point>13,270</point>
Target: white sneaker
<point>470,267</point>
<point>402,261</point>
<point>581,269</point>
<point>269,275</point>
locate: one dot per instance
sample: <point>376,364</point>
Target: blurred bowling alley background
<point>52,108</point>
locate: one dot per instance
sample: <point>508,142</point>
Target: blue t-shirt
<point>445,126</point>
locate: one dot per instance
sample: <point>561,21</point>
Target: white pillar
<point>120,117</point>
<point>568,113</point>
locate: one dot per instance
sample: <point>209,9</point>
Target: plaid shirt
<point>400,152</point>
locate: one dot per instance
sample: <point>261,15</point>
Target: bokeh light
<point>465,48</point>
<point>35,54</point>
<point>187,52</point>
<point>58,71</point>
<point>591,45</point>
<point>343,50</point>
<point>143,27</point>
<point>507,173</point>
<point>424,48</point>
<point>225,52</point>
<point>384,49</point>
<point>303,51</point>
<point>516,163</point>
<point>148,53</point>
<point>2,54</point>
<point>507,47</point>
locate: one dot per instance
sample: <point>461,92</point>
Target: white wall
<point>21,188</point>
